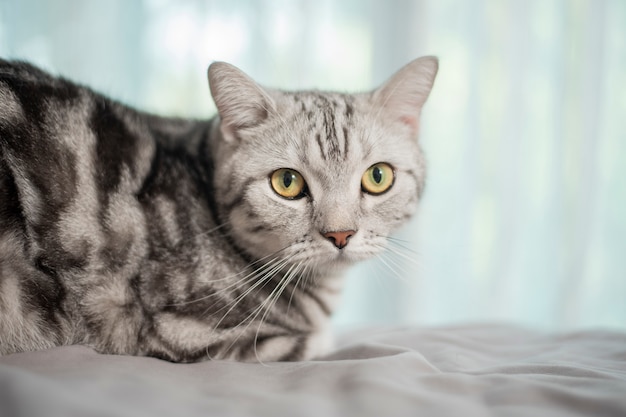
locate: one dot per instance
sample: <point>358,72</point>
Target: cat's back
<point>38,107</point>
<point>85,185</point>
<point>78,170</point>
<point>60,141</point>
<point>15,72</point>
<point>25,90</point>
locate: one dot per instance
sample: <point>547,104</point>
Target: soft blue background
<point>524,218</point>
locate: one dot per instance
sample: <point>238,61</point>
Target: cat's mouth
<point>339,258</point>
<point>325,260</point>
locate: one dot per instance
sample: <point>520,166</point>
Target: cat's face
<point>318,180</point>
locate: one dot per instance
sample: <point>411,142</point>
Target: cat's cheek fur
<point>268,224</point>
<point>258,240</point>
<point>393,213</point>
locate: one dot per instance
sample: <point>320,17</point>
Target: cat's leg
<point>32,315</point>
<point>179,338</point>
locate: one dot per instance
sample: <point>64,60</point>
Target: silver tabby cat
<point>191,240</point>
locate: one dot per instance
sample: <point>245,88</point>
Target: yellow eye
<point>377,179</point>
<point>288,183</point>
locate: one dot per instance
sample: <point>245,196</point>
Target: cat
<point>189,240</point>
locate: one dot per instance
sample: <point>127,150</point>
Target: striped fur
<point>142,235</point>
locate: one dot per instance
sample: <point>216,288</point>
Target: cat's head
<point>313,178</point>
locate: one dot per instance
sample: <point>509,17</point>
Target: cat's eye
<point>288,183</point>
<point>378,178</point>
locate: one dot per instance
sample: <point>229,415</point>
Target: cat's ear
<point>404,94</point>
<point>241,103</point>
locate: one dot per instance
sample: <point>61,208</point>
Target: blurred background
<point>524,215</point>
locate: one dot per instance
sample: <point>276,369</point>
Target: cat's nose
<point>339,239</point>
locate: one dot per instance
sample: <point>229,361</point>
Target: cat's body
<point>142,235</point>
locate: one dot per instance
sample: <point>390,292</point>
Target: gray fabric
<point>462,371</point>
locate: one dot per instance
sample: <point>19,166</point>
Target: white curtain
<point>524,218</point>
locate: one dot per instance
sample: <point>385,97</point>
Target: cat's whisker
<point>266,305</point>
<point>403,244</point>
<point>291,273</point>
<point>261,276</point>
<point>397,270</point>
<point>263,279</point>
<point>310,278</point>
<point>251,275</point>
<point>402,273</point>
<point>216,293</point>
<point>301,277</point>
<point>255,313</point>
<point>398,252</point>
<point>213,230</point>
<point>300,270</point>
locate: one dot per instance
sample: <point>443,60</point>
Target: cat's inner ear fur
<point>404,94</point>
<point>241,102</point>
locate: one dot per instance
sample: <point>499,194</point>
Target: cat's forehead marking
<point>329,116</point>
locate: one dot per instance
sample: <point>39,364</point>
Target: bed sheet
<point>467,370</point>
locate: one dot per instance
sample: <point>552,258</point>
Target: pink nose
<point>339,239</point>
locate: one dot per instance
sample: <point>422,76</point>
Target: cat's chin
<point>340,261</point>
